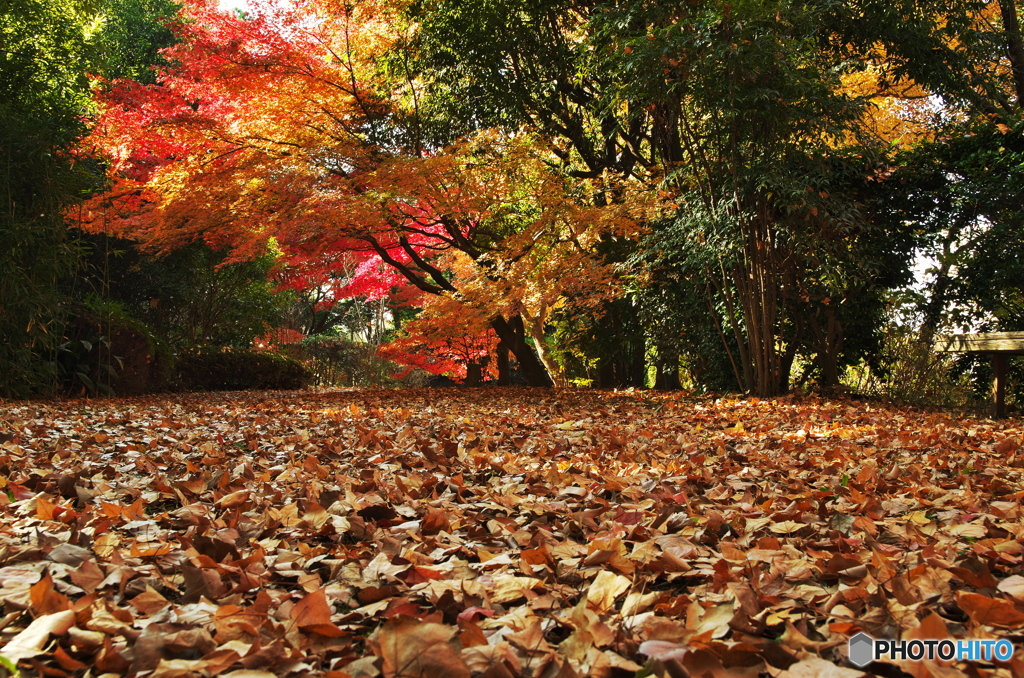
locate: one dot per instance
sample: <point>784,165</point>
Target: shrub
<point>336,361</point>
<point>107,351</point>
<point>915,374</point>
<point>211,368</point>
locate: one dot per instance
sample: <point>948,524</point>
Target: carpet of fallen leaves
<point>490,532</point>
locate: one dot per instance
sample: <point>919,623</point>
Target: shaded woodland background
<point>805,157</point>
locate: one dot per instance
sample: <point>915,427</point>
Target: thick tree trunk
<point>829,342</point>
<point>512,334</point>
<point>474,374</point>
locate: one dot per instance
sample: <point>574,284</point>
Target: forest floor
<point>502,532</point>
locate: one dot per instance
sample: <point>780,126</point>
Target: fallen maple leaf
<point>986,611</point>
<point>313,615</point>
<point>414,649</point>
<point>31,641</point>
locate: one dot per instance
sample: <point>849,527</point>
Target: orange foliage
<point>283,128</point>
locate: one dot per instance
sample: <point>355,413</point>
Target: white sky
<point>232,5</point>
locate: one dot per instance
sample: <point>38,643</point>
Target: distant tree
<point>961,185</point>
<point>745,112</point>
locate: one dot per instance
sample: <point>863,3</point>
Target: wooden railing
<point>999,345</point>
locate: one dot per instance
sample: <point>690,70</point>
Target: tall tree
<point>961,186</point>
<point>283,126</point>
<point>740,108</point>
<point>748,114</point>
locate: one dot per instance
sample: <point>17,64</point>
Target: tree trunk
<point>512,334</point>
<point>829,342</point>
<point>474,373</point>
<point>1014,45</point>
<point>667,377</point>
<point>537,333</point>
<point>504,368</point>
<point>936,303</point>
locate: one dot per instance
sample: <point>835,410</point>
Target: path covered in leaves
<point>501,533</point>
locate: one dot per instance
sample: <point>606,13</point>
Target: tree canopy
<point>730,187</point>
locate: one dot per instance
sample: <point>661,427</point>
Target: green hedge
<point>212,368</point>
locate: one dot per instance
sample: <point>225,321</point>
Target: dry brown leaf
<point>1013,585</point>
<point>291,526</point>
<point>508,587</point>
<point>31,641</point>
<point>987,611</point>
<point>816,667</point>
<point>605,590</point>
<point>313,615</point>
<point>414,649</point>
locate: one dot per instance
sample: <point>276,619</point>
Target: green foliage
<point>674,307</point>
<point>962,190</point>
<point>496,64</point>
<point>606,350</point>
<point>214,368</point>
<point>45,46</point>
<point>86,366</point>
<point>121,354</point>
<point>133,33</point>
<point>965,193</point>
<point>735,107</point>
<point>191,297</point>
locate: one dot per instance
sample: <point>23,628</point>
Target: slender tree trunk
<point>745,377</point>
<point>537,334</point>
<point>936,303</point>
<point>667,377</point>
<point>757,282</point>
<point>504,368</point>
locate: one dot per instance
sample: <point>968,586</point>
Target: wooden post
<point>999,384</point>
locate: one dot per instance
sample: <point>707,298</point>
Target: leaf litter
<point>501,532</point>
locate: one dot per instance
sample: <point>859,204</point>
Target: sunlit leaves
<point>481,532</point>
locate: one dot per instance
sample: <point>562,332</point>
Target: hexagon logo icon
<point>862,649</point>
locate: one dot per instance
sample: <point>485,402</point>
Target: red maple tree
<point>282,128</point>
